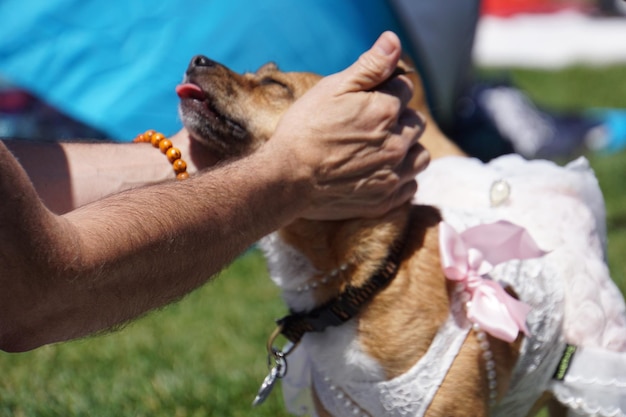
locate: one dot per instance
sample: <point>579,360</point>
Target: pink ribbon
<point>468,256</point>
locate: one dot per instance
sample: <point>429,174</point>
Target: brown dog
<point>317,263</point>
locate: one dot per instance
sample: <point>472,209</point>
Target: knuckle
<point>372,68</point>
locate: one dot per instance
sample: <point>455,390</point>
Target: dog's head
<point>234,113</point>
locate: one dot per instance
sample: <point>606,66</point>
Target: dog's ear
<point>267,68</point>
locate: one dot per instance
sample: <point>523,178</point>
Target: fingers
<point>403,136</point>
<point>417,159</point>
<point>400,87</point>
<point>374,66</point>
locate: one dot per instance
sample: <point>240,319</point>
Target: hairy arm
<point>68,175</point>
<point>65,276</point>
<point>111,260</point>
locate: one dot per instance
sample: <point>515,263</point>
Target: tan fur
<point>400,322</point>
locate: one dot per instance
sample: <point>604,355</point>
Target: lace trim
<point>538,283</point>
<point>594,383</point>
<point>409,394</point>
<point>578,400</point>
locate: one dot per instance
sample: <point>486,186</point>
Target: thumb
<point>375,65</point>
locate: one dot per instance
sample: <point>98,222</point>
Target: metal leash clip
<point>277,363</point>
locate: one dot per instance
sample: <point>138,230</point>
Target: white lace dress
<point>570,289</point>
<point>572,297</point>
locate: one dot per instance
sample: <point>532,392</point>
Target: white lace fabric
<point>595,384</point>
<point>410,394</point>
<point>563,209</point>
<point>535,283</point>
<point>572,297</point>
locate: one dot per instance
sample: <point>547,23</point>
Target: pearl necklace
<point>487,355</point>
<point>313,284</point>
<point>345,399</point>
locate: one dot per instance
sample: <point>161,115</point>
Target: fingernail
<point>385,44</point>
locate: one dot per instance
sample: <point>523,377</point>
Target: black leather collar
<point>350,302</point>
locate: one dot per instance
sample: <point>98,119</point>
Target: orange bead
<point>164,145</point>
<point>156,139</point>
<point>179,166</point>
<point>173,154</point>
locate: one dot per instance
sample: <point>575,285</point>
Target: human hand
<point>356,140</point>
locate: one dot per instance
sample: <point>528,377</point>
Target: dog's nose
<point>200,61</point>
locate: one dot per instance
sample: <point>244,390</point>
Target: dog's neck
<point>336,254</point>
<point>312,262</point>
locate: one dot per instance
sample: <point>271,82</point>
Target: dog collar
<point>347,304</point>
<point>333,313</point>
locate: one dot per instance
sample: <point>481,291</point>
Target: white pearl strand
<point>490,364</point>
<point>347,402</point>
<point>499,194</point>
<point>311,285</point>
<point>487,355</point>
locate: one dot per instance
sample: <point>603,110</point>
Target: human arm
<point>70,174</point>
<point>66,276</point>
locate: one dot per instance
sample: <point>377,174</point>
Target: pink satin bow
<point>468,256</point>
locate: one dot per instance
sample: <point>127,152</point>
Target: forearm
<point>100,274</point>
<point>68,175</point>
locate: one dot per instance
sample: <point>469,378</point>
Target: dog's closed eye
<point>274,83</point>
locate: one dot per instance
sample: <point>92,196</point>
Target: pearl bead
<point>499,193</point>
<point>324,280</point>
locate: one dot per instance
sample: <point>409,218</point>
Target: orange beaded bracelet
<point>158,140</point>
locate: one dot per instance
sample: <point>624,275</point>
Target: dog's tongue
<point>189,90</point>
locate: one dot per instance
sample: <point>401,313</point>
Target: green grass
<point>205,355</point>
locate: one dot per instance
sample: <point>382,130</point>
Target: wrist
<point>291,179</point>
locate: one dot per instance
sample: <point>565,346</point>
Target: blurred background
<point>542,78</point>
